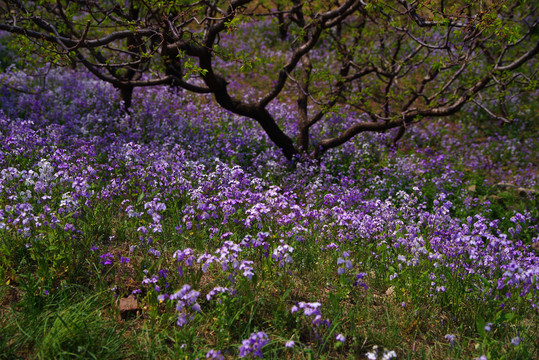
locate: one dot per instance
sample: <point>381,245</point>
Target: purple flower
<point>69,227</point>
<point>155,252</point>
<point>107,259</point>
<point>226,235</point>
<point>152,280</point>
<point>516,341</point>
<point>283,254</point>
<point>214,355</point>
<point>182,320</point>
<point>451,338</point>
<point>185,255</point>
<point>289,344</point>
<point>142,229</point>
<point>253,345</point>
<point>186,297</point>
<point>340,337</point>
<point>247,267</point>
<point>216,290</point>
<point>310,309</point>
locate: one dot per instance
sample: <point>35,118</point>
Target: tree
<point>396,62</point>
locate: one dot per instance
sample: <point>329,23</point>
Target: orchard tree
<point>396,62</point>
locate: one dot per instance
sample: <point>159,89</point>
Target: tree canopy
<point>395,62</point>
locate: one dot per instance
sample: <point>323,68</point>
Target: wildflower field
<point>224,249</point>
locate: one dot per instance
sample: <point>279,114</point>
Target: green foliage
<point>69,324</point>
<point>57,294</point>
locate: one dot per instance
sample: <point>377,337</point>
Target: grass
<point>77,319</point>
<point>72,323</point>
<point>146,216</point>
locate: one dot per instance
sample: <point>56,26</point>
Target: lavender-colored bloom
<point>185,297</point>
<point>226,235</point>
<point>152,280</point>
<point>347,264</point>
<point>371,355</point>
<point>182,320</point>
<point>283,254</point>
<point>246,267</point>
<point>155,252</point>
<point>177,154</point>
<point>290,344</point>
<point>310,310</point>
<point>388,355</point>
<point>216,290</point>
<point>142,229</point>
<point>191,297</point>
<point>254,344</point>
<point>359,280</point>
<point>214,355</point>
<point>185,255</point>
<point>340,337</point>
<point>69,227</point>
<point>488,326</point>
<point>451,338</point>
<point>516,341</point>
<point>107,259</point>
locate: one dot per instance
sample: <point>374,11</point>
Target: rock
<point>128,307</point>
<point>521,191</point>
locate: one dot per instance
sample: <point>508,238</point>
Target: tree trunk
<point>126,97</point>
<point>283,26</point>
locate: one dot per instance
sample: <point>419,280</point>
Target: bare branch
<point>491,113</point>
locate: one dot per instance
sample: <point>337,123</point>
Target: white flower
<point>371,355</point>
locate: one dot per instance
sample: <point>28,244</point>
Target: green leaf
<point>480,323</point>
<point>140,197</point>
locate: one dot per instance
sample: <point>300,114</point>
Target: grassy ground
<point>428,251</point>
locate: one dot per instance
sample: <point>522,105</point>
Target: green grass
<point>78,317</point>
<point>71,324</point>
